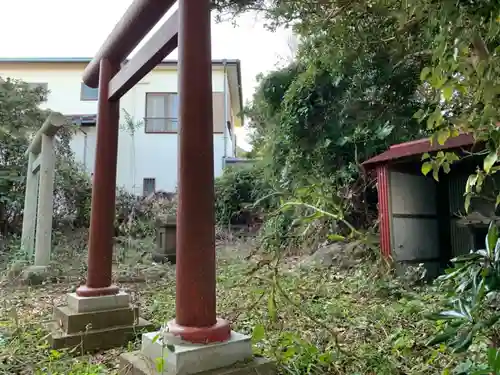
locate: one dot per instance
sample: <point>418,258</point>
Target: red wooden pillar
<point>103,191</point>
<point>195,287</point>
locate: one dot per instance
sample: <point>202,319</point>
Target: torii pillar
<point>196,340</point>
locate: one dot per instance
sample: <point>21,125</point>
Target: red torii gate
<point>201,341</point>
<point>189,27</point>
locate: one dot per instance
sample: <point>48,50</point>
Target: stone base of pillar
<point>102,322</point>
<point>34,275</point>
<point>158,356</point>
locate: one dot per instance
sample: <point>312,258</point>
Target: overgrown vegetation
<point>367,75</point>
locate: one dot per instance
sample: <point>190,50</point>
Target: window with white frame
<point>88,93</point>
<point>162,112</point>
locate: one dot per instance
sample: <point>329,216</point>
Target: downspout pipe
<point>85,143</point>
<point>224,63</point>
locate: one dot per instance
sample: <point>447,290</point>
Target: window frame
<point>82,98</point>
<point>144,185</point>
<point>146,118</point>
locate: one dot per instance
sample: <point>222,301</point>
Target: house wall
<point>140,155</point>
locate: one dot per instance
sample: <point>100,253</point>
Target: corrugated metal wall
<point>459,235</point>
<point>413,205</point>
<point>408,219</point>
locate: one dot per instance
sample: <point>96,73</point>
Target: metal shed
<point>422,220</point>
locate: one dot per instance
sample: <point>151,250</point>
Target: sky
<point>77,28</point>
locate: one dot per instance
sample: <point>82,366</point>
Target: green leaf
<point>471,181</point>
<point>159,364</point>
<point>271,306</point>
<point>467,202</point>
<point>155,338</point>
<point>447,315</point>
<point>425,73</point>
<point>491,239</point>
<point>336,237</point>
<point>489,161</point>
<point>463,343</point>
<point>443,337</point>
<point>426,168</point>
<point>447,92</point>
<point>435,174</point>
<point>258,333</point>
<point>443,136</point>
<point>494,359</point>
<point>446,167</point>
<point>419,115</point>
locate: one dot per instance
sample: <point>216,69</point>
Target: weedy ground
<point>311,321</point>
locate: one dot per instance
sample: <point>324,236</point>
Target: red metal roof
<point>418,147</point>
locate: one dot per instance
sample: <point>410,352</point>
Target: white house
<point>147,151</point>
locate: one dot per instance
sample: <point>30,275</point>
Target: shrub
<point>235,190</point>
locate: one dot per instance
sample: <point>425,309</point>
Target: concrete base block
<point>73,322</point>
<point>100,339</point>
<point>158,356</point>
<point>86,304</point>
<point>100,328</point>
<point>135,363</point>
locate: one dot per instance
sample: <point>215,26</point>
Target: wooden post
<point>103,191</point>
<point>196,319</point>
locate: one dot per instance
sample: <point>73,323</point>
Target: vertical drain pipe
<point>85,141</point>
<point>224,63</point>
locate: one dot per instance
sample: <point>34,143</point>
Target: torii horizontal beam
<point>138,20</point>
<point>159,46</point>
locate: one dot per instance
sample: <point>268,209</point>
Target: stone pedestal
<point>102,322</point>
<point>170,356</point>
<point>166,232</point>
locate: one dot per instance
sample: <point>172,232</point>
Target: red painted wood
<point>384,209</point>
<point>140,17</point>
<point>219,332</point>
<point>102,214</point>
<point>195,287</point>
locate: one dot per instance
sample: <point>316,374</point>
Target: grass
<point>331,321</point>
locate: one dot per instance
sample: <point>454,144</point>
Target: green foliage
<point>463,81</point>
<point>472,313</point>
<point>20,118</point>
<point>350,93</point>
<point>235,190</point>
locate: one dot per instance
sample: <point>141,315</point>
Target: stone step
<point>135,363</point>
<point>73,322</point>
<point>94,339</point>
